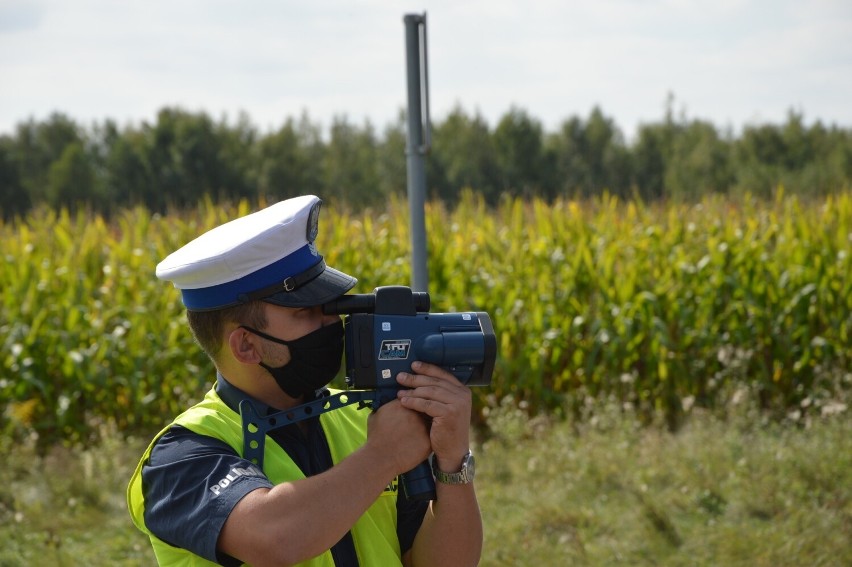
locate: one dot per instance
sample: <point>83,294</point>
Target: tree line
<point>183,156</point>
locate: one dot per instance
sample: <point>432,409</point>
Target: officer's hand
<point>400,434</point>
<point>438,394</point>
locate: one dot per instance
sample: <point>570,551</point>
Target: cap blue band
<point>228,294</point>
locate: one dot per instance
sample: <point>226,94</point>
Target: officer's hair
<point>208,327</point>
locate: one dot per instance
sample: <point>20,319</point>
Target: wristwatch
<point>464,476</point>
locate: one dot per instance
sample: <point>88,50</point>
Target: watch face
<point>469,466</point>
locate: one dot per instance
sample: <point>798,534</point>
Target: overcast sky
<point>732,62</point>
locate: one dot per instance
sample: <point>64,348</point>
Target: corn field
<point>660,308</point>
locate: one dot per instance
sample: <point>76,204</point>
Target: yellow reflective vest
<point>345,429</point>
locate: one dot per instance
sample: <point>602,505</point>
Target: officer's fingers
<point>432,370</point>
<point>437,378</point>
<point>437,403</point>
<point>429,388</point>
<point>428,406</point>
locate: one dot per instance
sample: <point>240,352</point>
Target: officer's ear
<point>245,346</point>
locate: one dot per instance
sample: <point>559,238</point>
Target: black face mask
<point>314,359</point>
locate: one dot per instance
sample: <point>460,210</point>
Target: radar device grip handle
<point>418,483</point>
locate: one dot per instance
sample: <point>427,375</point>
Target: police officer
<point>326,493</point>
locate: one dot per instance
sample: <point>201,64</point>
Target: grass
<point>717,492</point>
<point>602,492</point>
<point>66,507</point>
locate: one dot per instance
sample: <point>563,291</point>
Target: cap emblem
<point>313,222</point>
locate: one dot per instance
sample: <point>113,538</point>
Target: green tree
<point>833,170</point>
<point>288,161</point>
<point>236,176</point>
<point>759,157</point>
<point>350,167</point>
<point>464,153</point>
<point>392,165</point>
<point>14,199</point>
<point>590,156</point>
<point>650,156</point>
<point>817,160</point>
<point>194,154</point>
<point>699,162</point>
<point>129,178</point>
<point>188,156</point>
<point>518,143</point>
<point>71,178</point>
<point>38,145</point>
<point>99,143</point>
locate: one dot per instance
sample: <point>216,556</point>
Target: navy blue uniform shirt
<point>192,482</point>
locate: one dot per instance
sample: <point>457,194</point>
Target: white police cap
<point>268,255</point>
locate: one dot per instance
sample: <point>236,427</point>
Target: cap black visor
<point>327,286</point>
